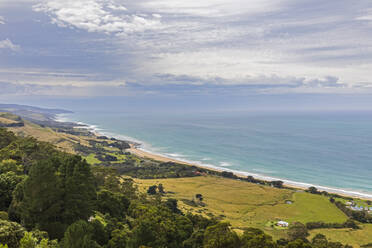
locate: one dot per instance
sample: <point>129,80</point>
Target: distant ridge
<point>32,113</point>
<point>17,107</point>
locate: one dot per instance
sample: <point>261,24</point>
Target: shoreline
<point>136,148</point>
<point>295,185</point>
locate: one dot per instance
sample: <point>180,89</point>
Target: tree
<point>195,240</point>
<point>8,182</point>
<point>10,165</point>
<point>161,188</point>
<point>27,151</point>
<point>43,199</point>
<point>4,215</point>
<point>79,235</point>
<point>351,224</point>
<point>28,241</point>
<point>157,226</point>
<point>199,197</point>
<point>277,184</point>
<point>119,238</point>
<point>6,138</point>
<point>58,192</point>
<point>172,205</point>
<point>298,243</point>
<point>10,233</point>
<point>320,241</point>
<point>37,239</point>
<point>228,174</point>
<point>255,238</point>
<point>220,236</point>
<point>297,231</point>
<point>115,204</point>
<point>313,190</point>
<point>45,243</point>
<point>152,190</point>
<point>77,185</point>
<point>99,232</point>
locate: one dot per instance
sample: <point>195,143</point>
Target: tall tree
<point>77,185</point>
<point>42,199</point>
<point>297,231</point>
<point>220,236</point>
<point>79,235</point>
<point>8,182</point>
<point>6,138</point>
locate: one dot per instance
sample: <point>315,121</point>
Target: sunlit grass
<point>245,204</point>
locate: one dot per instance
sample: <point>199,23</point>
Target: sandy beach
<point>141,153</point>
<point>157,157</point>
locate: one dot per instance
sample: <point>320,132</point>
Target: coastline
<point>296,185</point>
<point>137,149</point>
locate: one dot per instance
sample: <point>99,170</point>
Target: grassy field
<point>348,236</point>
<point>5,116</point>
<point>7,121</point>
<point>61,140</point>
<point>245,204</point>
<point>91,159</point>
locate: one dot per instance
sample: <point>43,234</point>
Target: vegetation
<point>55,199</point>
<point>356,238</point>
<point>245,204</point>
<point>361,216</point>
<point>50,198</point>
<point>317,225</point>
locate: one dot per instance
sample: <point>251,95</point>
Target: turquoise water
<point>324,149</point>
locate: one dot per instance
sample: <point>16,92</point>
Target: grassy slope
<point>348,236</point>
<point>7,121</point>
<point>9,116</point>
<point>246,204</point>
<point>91,159</point>
<point>61,140</point>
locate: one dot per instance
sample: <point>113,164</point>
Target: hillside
<point>244,204</point>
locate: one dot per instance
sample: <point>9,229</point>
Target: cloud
<point>70,90</point>
<point>25,76</point>
<point>213,8</point>
<point>96,16</point>
<point>2,20</point>
<point>260,46</point>
<point>366,16</point>
<point>8,44</point>
<point>258,82</point>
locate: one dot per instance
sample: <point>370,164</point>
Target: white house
<point>282,223</point>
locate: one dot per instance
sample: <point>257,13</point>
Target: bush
<point>220,236</point>
<point>318,225</point>
<point>297,231</point>
<point>79,235</point>
<point>10,233</point>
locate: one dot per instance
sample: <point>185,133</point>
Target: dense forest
<point>49,198</point>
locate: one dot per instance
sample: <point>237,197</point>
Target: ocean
<point>330,150</point>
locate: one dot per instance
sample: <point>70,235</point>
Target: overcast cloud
<point>263,46</point>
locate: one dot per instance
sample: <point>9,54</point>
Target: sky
<point>151,49</point>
